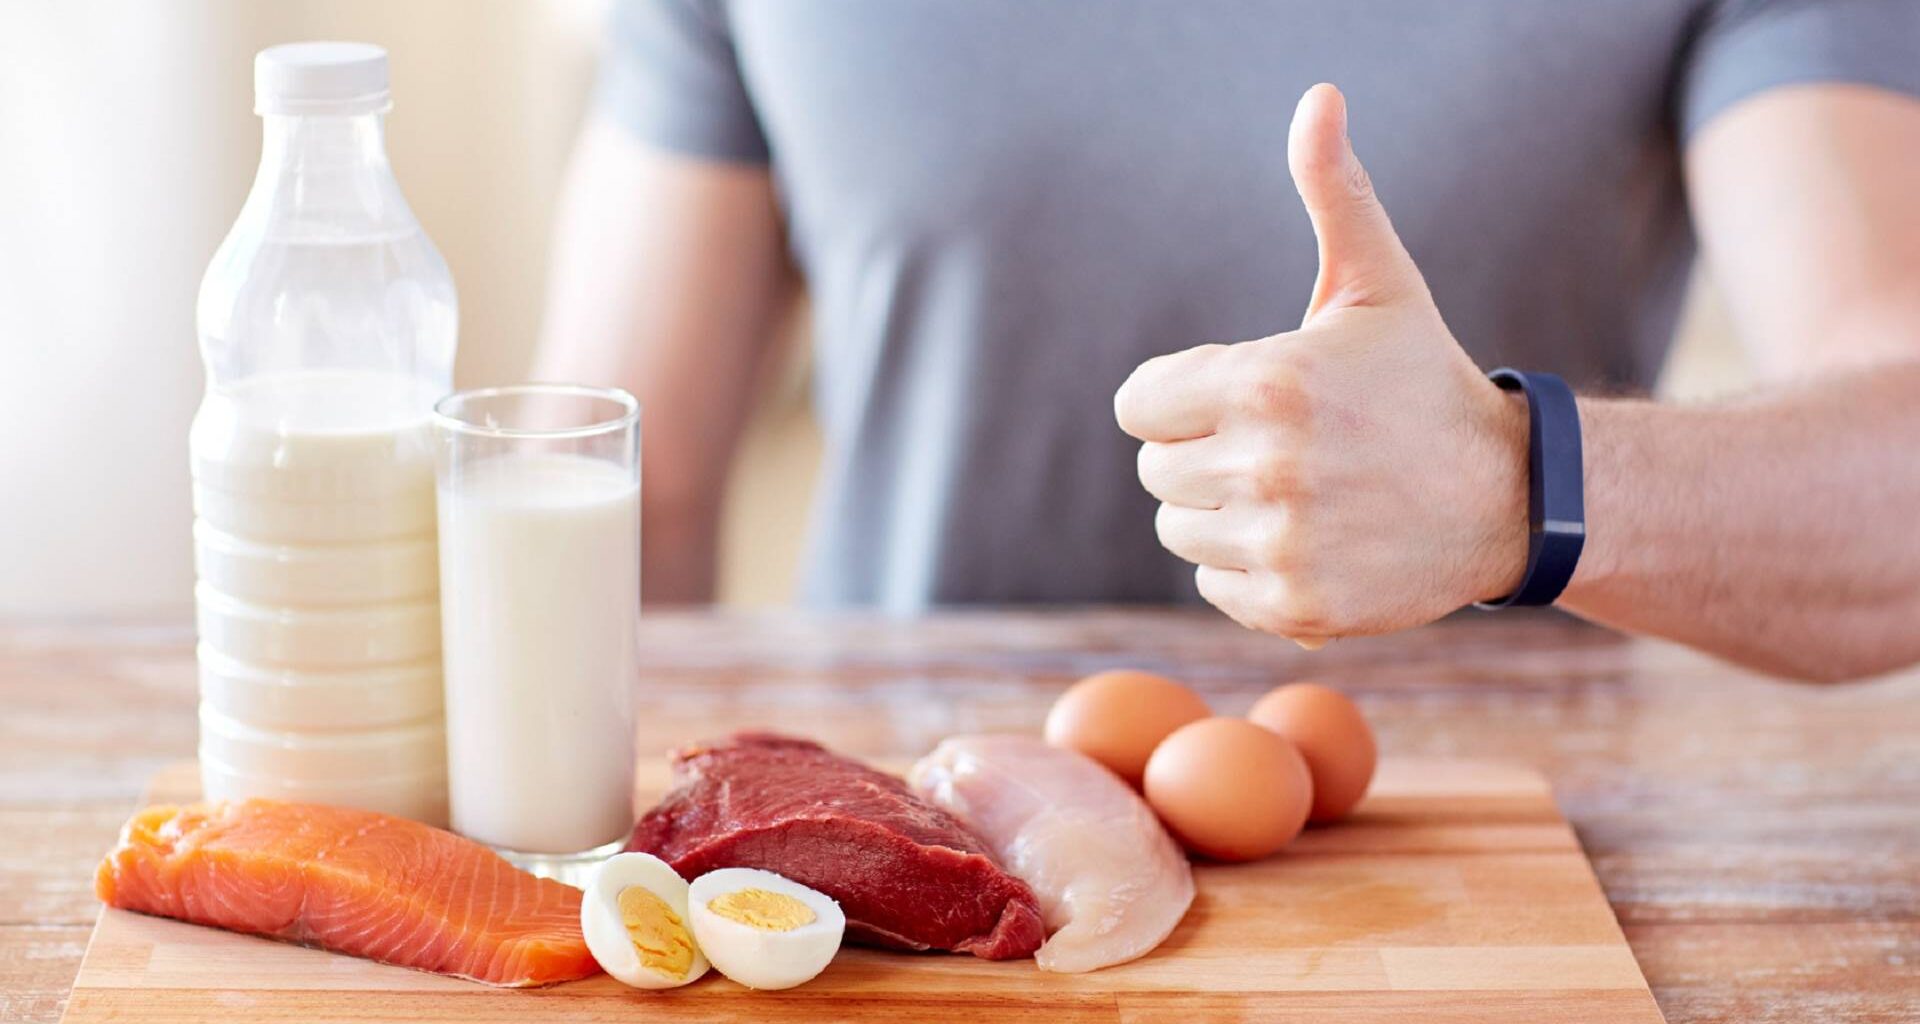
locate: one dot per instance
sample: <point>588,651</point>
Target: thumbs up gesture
<point>1356,476</point>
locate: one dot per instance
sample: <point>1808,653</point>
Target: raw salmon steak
<point>354,882</point>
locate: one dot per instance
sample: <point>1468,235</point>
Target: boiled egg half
<point>634,916</point>
<point>764,930</point>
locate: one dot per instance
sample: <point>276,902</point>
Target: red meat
<point>908,874</point>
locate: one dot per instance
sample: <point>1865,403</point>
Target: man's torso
<point>1004,206</point>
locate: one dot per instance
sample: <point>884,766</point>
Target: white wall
<point>126,145</point>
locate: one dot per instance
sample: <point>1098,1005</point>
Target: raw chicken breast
<point>1112,884</point>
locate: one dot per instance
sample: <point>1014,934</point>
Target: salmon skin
<point>354,882</point>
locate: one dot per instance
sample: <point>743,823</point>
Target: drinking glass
<point>539,513</point>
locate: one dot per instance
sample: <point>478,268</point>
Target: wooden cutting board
<point>1456,893</point>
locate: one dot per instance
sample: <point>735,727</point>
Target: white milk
<point>539,558</point>
<point>318,603</point>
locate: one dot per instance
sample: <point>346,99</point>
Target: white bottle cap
<point>320,78</point>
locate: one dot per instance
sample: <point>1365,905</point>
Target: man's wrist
<point>1556,508</point>
<point>1501,562</point>
<point>1601,421</point>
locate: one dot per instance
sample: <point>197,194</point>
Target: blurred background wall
<point>127,142</point>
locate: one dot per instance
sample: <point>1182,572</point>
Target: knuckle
<point>1288,598</point>
<point>1276,392</point>
<point>1274,547</point>
<point>1274,478</point>
<point>1272,616</point>
<point>1310,614</point>
<point>1299,612</point>
<point>1269,393</point>
<point>1306,485</point>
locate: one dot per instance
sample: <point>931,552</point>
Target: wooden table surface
<point>1760,841</point>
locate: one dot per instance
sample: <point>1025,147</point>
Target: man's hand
<point>1357,476</point>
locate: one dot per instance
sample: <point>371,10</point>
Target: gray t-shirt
<point>1001,207</point>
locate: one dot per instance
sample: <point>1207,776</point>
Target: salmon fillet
<point>354,882</point>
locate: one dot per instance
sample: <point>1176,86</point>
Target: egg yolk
<point>758,908</point>
<point>656,932</point>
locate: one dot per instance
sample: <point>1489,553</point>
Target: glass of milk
<point>539,514</point>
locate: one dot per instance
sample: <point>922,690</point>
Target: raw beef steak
<point>908,874</point>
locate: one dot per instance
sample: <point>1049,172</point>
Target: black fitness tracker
<point>1556,501</point>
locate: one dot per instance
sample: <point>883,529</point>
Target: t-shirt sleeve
<point>669,73</point>
<point>1748,46</point>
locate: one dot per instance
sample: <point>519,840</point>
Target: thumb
<point>1362,262</point>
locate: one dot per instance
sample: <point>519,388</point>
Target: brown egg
<point>1332,735</point>
<point>1228,789</point>
<point>1118,717</point>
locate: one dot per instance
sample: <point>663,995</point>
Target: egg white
<point>606,933</point>
<point>755,957</point>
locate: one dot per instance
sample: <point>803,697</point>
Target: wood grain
<point>1759,840</point>
<point>1358,918</point>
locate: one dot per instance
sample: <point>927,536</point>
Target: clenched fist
<point>1357,476</point>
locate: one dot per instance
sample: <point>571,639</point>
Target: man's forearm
<point>1781,531</point>
<point>669,278</point>
<point>679,554</point>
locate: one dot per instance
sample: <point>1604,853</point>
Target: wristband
<point>1556,509</point>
